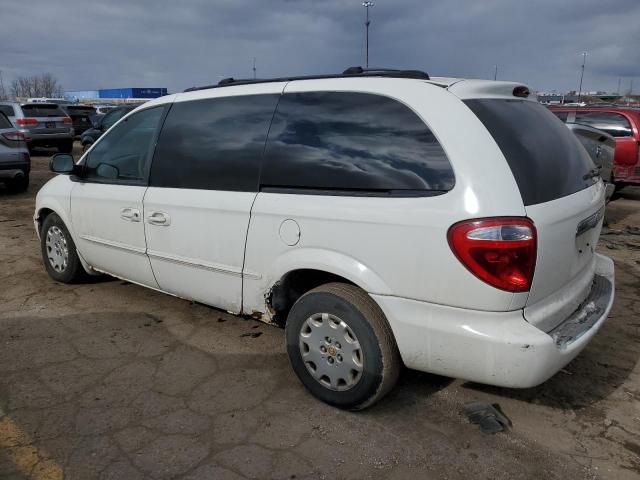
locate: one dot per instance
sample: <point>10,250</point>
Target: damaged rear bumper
<point>496,348</point>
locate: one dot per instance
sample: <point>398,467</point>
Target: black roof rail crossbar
<point>349,72</point>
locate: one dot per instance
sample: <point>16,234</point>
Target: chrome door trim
<point>191,262</point>
<point>112,244</point>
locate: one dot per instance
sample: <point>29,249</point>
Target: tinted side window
<point>7,110</point>
<point>121,156</point>
<point>4,121</point>
<point>545,157</point>
<point>112,117</point>
<point>614,124</point>
<point>353,142</point>
<point>215,144</point>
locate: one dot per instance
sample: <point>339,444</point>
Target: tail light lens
<point>499,251</point>
<point>67,120</point>
<point>15,136</point>
<point>26,121</point>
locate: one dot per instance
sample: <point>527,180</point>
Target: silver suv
<point>43,124</point>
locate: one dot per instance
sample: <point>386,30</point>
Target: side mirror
<point>62,163</point>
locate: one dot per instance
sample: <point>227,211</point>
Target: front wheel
<point>341,347</point>
<point>59,252</point>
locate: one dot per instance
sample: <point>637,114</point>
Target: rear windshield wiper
<point>594,172</point>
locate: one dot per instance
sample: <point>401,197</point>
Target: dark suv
<point>81,116</point>
<point>103,124</point>
<point>42,124</point>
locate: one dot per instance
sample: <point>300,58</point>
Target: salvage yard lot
<point>113,381</point>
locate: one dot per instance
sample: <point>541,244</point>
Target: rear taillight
<point>26,121</point>
<point>67,120</point>
<point>500,251</point>
<point>13,135</point>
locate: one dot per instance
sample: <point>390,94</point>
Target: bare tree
<point>43,85</point>
<point>3,92</point>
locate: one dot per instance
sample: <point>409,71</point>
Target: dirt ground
<point>109,380</point>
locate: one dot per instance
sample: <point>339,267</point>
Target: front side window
<point>614,124</point>
<point>213,144</point>
<point>353,143</point>
<point>121,156</point>
<point>111,118</point>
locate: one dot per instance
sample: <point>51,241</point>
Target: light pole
<point>367,23</point>
<point>495,73</point>
<point>584,61</point>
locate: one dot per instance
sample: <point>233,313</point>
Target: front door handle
<point>130,214</point>
<point>159,218</point>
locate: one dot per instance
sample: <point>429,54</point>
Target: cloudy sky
<point>91,44</point>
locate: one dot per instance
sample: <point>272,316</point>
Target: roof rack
<point>348,73</point>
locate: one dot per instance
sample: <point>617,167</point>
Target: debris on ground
<point>488,416</point>
<point>251,334</point>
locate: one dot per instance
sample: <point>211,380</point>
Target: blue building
<point>113,93</point>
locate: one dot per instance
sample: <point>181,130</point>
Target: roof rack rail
<point>349,72</point>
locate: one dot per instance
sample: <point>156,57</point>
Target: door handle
<point>130,214</point>
<point>159,218</point>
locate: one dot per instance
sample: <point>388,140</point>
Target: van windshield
<point>545,157</point>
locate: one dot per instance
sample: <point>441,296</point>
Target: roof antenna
<point>254,68</point>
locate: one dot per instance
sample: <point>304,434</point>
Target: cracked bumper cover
<point>495,348</point>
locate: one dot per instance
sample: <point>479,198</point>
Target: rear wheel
<point>341,346</point>
<point>59,252</point>
<point>66,146</point>
<point>18,185</point>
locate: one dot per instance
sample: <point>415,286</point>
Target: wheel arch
<point>302,270</point>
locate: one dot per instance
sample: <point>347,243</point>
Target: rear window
<point>614,124</point>
<point>43,110</point>
<point>82,109</point>
<point>7,110</point>
<point>547,160</point>
<point>4,121</point>
<point>353,143</point>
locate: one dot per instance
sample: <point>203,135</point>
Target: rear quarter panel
<point>391,246</point>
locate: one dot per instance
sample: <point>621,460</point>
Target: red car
<point>619,122</point>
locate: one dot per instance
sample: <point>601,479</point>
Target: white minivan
<point>383,218</point>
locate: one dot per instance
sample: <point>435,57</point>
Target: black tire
<point>18,185</point>
<point>66,146</point>
<point>72,272</point>
<point>380,359</point>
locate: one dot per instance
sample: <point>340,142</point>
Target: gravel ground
<point>110,380</point>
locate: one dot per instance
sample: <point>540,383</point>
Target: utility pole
<point>619,84</point>
<point>367,23</point>
<point>584,61</point>
<point>254,68</point>
<point>495,72</point>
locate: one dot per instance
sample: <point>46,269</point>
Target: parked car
<point>601,148</point>
<point>81,116</point>
<point>350,210</point>
<point>619,122</point>
<point>15,162</point>
<point>43,124</point>
<point>102,109</point>
<point>103,123</point>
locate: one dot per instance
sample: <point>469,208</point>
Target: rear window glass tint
<point>353,142</point>
<point>4,121</point>
<point>7,110</point>
<point>547,160</point>
<point>42,110</point>
<point>614,124</point>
